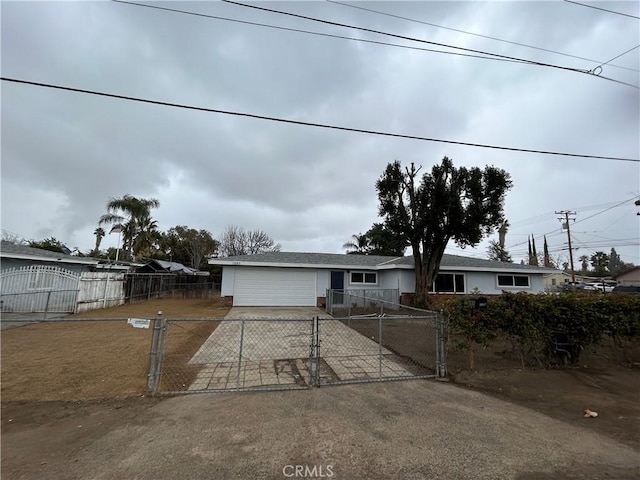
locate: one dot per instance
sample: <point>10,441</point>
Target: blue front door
<point>337,285</point>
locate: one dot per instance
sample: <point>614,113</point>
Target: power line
<point>618,56</point>
<point>603,9</point>
<point>311,124</point>
<point>479,35</point>
<point>492,56</point>
<point>309,32</point>
<point>552,234</point>
<point>328,22</point>
<point>403,37</point>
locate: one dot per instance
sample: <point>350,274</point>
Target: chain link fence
<point>213,355</point>
<point>353,303</point>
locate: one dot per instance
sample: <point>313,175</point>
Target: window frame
<point>454,275</point>
<point>513,280</point>
<point>364,274</point>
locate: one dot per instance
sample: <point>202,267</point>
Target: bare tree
<point>259,242</point>
<point>236,241</point>
<point>10,237</point>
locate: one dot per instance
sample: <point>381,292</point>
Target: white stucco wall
<point>323,282</point>
<point>485,282</point>
<point>228,278</point>
<point>404,280</point>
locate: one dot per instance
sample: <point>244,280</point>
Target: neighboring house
<point>629,277</point>
<point>36,280</point>
<point>553,281</point>
<point>16,256</point>
<point>302,279</point>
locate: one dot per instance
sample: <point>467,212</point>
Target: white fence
<point>100,290</point>
<point>38,288</point>
<point>45,288</point>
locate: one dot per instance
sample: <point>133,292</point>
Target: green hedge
<point>546,329</point>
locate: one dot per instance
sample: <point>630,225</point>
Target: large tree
<point>615,262</point>
<point>384,241</point>
<point>459,204</point>
<point>236,241</point>
<point>130,214</point>
<point>188,245</point>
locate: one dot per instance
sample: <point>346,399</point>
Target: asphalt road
<point>418,429</point>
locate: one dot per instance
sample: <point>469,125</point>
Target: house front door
<point>337,285</point>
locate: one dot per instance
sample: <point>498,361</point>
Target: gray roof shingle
<point>363,261</point>
<point>11,250</point>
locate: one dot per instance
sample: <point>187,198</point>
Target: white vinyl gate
<point>39,288</point>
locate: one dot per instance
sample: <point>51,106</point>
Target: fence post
<point>240,354</point>
<point>314,367</point>
<point>441,345</point>
<point>46,307</point>
<point>160,356</point>
<point>106,284</point>
<point>380,346</point>
<point>153,356</point>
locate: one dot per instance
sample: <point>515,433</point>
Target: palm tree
<point>147,240</point>
<point>359,244</point>
<point>99,233</point>
<point>128,212</point>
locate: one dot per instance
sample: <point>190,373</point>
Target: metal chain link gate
<point>238,354</point>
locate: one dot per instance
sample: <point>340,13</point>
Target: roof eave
<point>24,256</point>
<point>382,266</point>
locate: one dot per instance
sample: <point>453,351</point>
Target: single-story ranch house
<point>302,279</point>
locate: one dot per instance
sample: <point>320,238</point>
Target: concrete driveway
<point>274,346</point>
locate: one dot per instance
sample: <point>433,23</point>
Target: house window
<point>448,283</point>
<point>513,281</point>
<point>369,278</point>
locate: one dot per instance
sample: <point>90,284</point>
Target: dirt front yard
<point>600,383</point>
<point>75,360</point>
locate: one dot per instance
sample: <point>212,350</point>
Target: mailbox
<point>480,303</point>
<point>475,303</point>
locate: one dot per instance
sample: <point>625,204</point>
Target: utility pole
<point>566,214</point>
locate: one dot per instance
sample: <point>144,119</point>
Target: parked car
<point>626,289</point>
<point>603,287</point>
<point>568,286</point>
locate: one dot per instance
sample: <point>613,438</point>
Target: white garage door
<point>277,287</point>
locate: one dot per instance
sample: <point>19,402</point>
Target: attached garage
<point>274,287</point>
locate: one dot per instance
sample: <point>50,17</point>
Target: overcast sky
<point>65,154</point>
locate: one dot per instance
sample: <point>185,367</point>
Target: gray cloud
<point>65,154</point>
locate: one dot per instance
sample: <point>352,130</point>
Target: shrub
<point>545,329</point>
